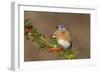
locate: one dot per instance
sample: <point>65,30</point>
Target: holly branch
<point>51,45</point>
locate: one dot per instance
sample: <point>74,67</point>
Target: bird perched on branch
<point>63,37</point>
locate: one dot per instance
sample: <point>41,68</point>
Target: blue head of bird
<point>61,28</point>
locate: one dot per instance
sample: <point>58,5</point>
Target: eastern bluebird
<point>63,37</point>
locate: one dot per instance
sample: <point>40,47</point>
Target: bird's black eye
<point>62,27</point>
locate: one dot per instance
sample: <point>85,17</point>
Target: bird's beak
<point>56,26</point>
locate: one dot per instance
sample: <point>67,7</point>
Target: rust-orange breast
<point>64,36</point>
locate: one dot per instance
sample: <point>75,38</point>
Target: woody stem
<point>46,42</point>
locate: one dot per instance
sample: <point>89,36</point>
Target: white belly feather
<point>63,43</point>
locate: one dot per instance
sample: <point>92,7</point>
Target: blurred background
<point>46,22</point>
